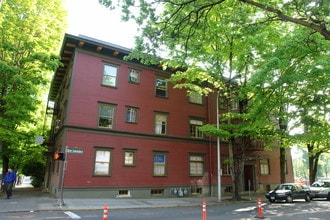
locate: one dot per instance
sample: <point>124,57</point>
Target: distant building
<point>128,132</point>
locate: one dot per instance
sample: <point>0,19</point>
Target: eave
<point>69,45</point>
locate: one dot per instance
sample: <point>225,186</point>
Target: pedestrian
<point>8,182</point>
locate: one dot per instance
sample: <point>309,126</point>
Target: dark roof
<point>70,43</point>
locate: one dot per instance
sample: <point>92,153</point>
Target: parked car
<point>320,190</point>
<point>289,192</point>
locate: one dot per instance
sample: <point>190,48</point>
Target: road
<point>319,209</point>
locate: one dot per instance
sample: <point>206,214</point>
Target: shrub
<point>36,170</point>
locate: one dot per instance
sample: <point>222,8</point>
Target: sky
<point>89,18</point>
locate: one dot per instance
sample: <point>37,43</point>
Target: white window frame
<point>133,75</point>
<point>102,162</point>
<point>131,114</point>
<point>161,123</point>
<point>129,157</point>
<point>110,74</point>
<point>160,164</point>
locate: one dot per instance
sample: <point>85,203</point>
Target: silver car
<point>320,190</point>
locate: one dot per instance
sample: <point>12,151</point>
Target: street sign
<point>75,151</point>
<point>39,140</point>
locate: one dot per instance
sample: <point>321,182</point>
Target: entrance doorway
<point>249,178</point>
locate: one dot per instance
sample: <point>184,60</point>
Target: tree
<point>216,41</point>
<point>313,15</point>
<point>312,107</point>
<point>30,33</point>
<point>300,162</point>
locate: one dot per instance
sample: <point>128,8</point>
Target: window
<point>102,162</point>
<point>123,193</point>
<point>131,114</point>
<point>234,103</point>
<point>157,192</point>
<point>161,87</point>
<point>160,123</point>
<point>226,167</point>
<point>264,167</point>
<point>196,165</point>
<point>194,97</point>
<point>159,164</point>
<point>110,75</point>
<point>222,101</point>
<point>129,157</point>
<point>106,115</point>
<point>194,131</point>
<point>133,75</point>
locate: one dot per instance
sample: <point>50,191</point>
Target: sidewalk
<point>31,200</point>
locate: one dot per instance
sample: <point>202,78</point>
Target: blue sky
<point>88,17</point>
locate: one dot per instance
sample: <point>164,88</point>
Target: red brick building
<point>128,132</point>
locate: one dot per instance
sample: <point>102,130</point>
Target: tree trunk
<point>313,161</point>
<point>282,164</point>
<point>283,124</point>
<point>236,167</point>
<point>5,161</point>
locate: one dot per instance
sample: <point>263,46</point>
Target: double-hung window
<point>196,165</point>
<point>160,123</point>
<point>234,102</point>
<point>133,75</point>
<point>226,167</point>
<point>161,87</point>
<point>102,164</point>
<point>106,115</point>
<point>264,167</point>
<point>159,159</point>
<point>194,128</point>
<point>129,157</point>
<point>131,114</point>
<point>222,100</point>
<point>196,98</point>
<point>110,73</point>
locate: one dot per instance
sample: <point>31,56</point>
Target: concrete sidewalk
<point>31,200</point>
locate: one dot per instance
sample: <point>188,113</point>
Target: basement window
<point>157,192</point>
<point>196,190</point>
<point>123,192</point>
<point>229,189</point>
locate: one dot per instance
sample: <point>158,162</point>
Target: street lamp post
<point>218,150</point>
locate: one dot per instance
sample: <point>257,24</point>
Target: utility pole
<point>218,151</point>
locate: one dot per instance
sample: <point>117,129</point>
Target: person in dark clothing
<point>8,182</point>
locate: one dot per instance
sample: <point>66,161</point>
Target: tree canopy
<point>274,56</point>
<point>31,32</point>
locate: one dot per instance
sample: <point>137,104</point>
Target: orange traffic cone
<point>105,212</point>
<point>260,214</point>
<point>204,210</point>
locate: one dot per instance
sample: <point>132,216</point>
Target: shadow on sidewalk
<point>26,191</point>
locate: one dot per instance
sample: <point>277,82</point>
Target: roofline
<point>70,44</point>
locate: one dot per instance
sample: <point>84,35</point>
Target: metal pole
<point>61,202</point>
<point>218,151</point>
